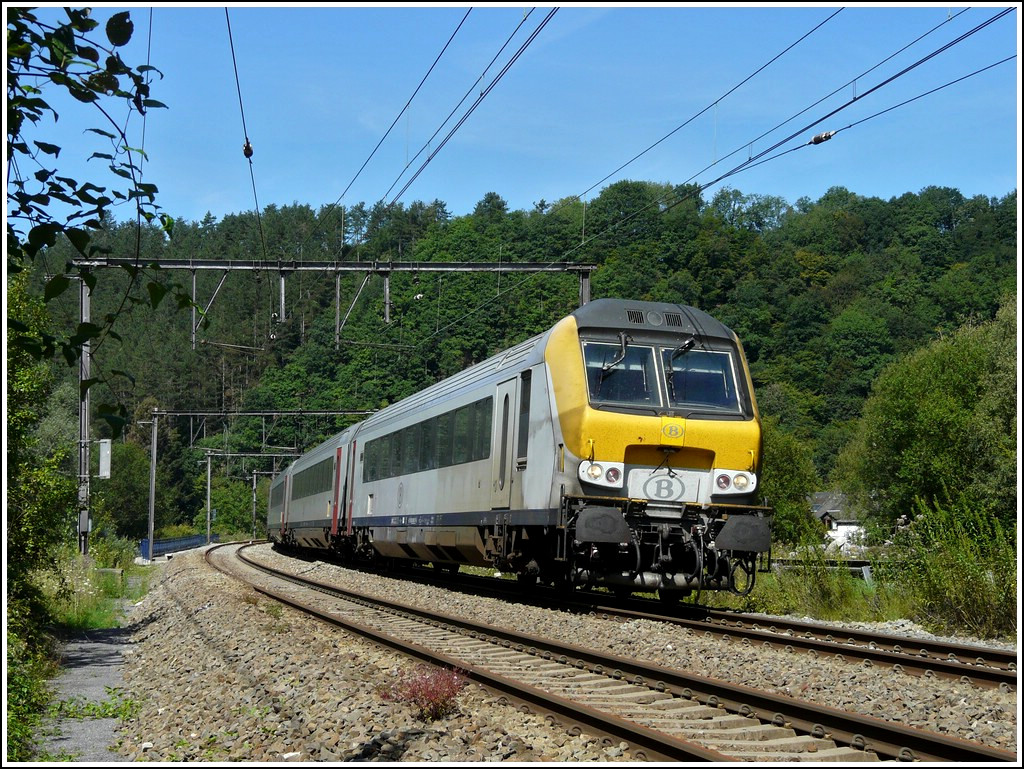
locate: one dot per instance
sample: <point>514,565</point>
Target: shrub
<point>113,552</point>
<point>432,691</point>
<point>28,667</point>
<point>961,565</point>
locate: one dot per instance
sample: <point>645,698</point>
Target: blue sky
<point>321,84</point>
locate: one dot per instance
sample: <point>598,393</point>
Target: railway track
<point>970,664</point>
<point>662,714</point>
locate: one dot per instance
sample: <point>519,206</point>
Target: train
<point>621,449</point>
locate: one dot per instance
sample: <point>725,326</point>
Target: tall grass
<point>953,571</point>
<point>84,593</point>
<point>961,564</point>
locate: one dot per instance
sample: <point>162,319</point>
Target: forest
<point>826,296</point>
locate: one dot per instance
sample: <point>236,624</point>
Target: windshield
<point>621,373</point>
<point>701,378</point>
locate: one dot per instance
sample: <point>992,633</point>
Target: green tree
<point>122,501</point>
<point>39,515</point>
<point>788,481</point>
<point>232,499</point>
<point>940,425</point>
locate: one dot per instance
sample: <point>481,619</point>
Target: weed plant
<point>432,691</point>
<point>82,597</point>
<point>116,705</point>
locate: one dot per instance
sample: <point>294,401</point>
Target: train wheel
<point>527,581</point>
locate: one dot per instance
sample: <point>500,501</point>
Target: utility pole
<point>208,498</point>
<point>152,482</point>
<point>84,372</point>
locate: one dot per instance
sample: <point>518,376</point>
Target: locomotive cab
<point>658,409</point>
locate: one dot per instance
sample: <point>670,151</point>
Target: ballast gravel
<point>222,673</point>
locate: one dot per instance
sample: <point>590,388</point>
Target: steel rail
<point>991,668</point>
<point>888,740</point>
<point>648,743</point>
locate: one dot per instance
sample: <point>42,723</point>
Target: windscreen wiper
<point>623,342</point>
<point>682,349</point>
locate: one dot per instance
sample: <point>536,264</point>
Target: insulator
<point>823,137</point>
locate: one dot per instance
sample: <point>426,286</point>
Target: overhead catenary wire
<point>247,150</point>
<point>825,136</point>
<point>715,103</point>
<point>461,101</point>
<point>758,159</point>
<point>479,100</point>
<point>398,117</point>
<point>483,94</point>
<point>856,98</point>
<point>845,85</point>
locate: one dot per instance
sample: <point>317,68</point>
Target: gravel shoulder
<point>220,673</point>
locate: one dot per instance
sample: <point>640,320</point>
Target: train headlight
<point>733,481</point>
<point>608,474</point>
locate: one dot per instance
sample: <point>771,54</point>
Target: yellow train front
<point>659,424</point>
<point>621,448</point>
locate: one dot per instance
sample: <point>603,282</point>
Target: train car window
<point>701,378</point>
<point>277,496</point>
<point>411,449</point>
<point>313,480</point>
<point>445,432</point>
<point>482,428</point>
<point>621,374</point>
<point>383,457</point>
<point>371,465</point>
<point>523,438</point>
<point>462,445</point>
<point>395,449</point>
<point>428,435</point>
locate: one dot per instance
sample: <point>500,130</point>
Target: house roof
<point>833,504</point>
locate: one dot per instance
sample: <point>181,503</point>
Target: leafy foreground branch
<point>46,64</point>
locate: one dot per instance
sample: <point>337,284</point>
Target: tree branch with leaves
<point>46,62</point>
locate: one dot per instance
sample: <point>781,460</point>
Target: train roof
<point>616,314</point>
<point>621,314</point>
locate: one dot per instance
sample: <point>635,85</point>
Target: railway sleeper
<point>798,743</point>
<point>747,732</point>
<point>838,755</point>
<point>725,723</point>
<point>675,708</point>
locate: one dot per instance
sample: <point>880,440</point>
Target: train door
<point>502,449</point>
<point>287,501</point>
<point>350,486</point>
<point>339,500</point>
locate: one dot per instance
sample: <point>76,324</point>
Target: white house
<point>841,525</point>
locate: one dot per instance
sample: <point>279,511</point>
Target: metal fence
<point>859,569</point>
<point>174,545</point>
